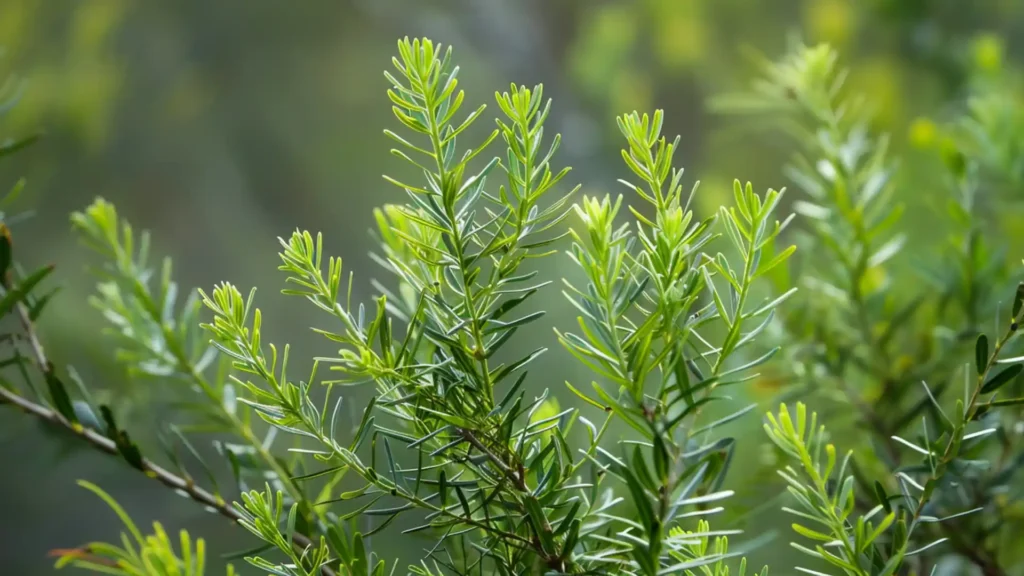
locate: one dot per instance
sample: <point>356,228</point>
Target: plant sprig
<point>648,296</point>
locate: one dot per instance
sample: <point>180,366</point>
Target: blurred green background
<point>222,125</point>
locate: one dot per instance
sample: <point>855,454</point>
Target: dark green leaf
<point>364,424</point>
<point>18,294</point>
<point>36,309</point>
<point>995,382</point>
<point>442,488</point>
<point>129,451</point>
<point>882,497</point>
<point>12,147</point>
<point>640,498</point>
<point>500,373</point>
<point>540,524</point>
<point>567,521</point>
<point>383,524</point>
<point>5,250</point>
<point>59,396</point>
<point>462,500</point>
<point>981,353</point>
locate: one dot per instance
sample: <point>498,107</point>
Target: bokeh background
<point>223,125</point>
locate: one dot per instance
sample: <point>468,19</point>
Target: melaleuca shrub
<point>677,313</point>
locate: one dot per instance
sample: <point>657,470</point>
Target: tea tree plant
<point>941,467</point>
<point>643,311</point>
<point>676,312</point>
<point>450,436</point>
<point>484,467</point>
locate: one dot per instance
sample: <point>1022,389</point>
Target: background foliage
<point>223,126</point>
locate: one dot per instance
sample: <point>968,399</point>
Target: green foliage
<point>262,517</point>
<point>643,311</point>
<point>828,501</point>
<point>484,466</point>
<point>892,342</point>
<point>149,555</point>
<point>676,313</point>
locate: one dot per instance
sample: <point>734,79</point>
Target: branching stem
<point>149,468</point>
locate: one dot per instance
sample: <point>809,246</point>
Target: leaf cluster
<point>890,357</point>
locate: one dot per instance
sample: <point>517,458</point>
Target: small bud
<point>988,51</point>
<point>923,133</point>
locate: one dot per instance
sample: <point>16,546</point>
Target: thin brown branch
<point>33,339</point>
<point>149,468</point>
<point>104,444</point>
